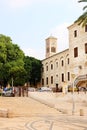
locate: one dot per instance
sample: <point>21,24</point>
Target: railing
<point>80,78</point>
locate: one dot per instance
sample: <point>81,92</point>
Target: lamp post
<point>73,101</point>
<point>74,76</point>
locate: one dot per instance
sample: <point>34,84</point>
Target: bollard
<point>4,113</point>
<point>81,112</point>
<point>65,112</point>
<point>10,113</point>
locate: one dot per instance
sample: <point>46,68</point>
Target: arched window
<point>51,66</point>
<point>47,80</point>
<point>51,79</point>
<point>53,49</point>
<point>62,63</point>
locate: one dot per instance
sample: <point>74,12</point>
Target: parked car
<point>31,89</point>
<point>44,89</point>
<point>8,92</point>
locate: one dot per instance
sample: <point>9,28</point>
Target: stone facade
<point>68,65</point>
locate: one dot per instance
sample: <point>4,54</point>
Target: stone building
<point>70,65</point>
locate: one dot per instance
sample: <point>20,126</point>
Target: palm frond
<point>82,19</point>
<point>85,7</point>
<point>85,22</point>
<point>82,1</point>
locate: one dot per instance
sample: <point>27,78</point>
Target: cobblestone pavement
<point>29,114</point>
<point>46,122</point>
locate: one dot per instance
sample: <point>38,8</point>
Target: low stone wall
<point>63,102</point>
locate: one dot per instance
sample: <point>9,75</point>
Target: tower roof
<point>51,37</point>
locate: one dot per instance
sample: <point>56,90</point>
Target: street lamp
<point>73,101</point>
<point>73,85</point>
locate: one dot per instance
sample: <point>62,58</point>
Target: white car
<point>45,89</point>
<point>31,89</point>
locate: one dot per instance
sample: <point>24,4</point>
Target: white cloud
<point>19,3</point>
<point>29,51</point>
<point>33,53</point>
<point>61,33</point>
<point>15,4</point>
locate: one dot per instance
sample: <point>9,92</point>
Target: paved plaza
<point>46,112</point>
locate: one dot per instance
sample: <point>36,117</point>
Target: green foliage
<point>3,55</point>
<point>19,80</point>
<point>33,70</point>
<point>83,18</point>
<point>15,65</point>
<point>11,60</point>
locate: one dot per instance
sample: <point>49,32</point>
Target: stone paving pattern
<point>28,113</point>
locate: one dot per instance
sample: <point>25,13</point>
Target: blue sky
<point>30,22</point>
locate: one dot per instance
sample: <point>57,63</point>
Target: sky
<point>30,22</point>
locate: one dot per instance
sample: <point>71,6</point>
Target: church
<point>70,65</point>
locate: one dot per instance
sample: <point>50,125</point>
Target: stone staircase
<point>80,79</point>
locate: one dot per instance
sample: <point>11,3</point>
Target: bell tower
<point>51,46</point>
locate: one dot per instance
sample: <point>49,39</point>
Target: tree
<point>28,67</point>
<point>11,61</point>
<point>33,70</point>
<point>36,71</point>
<point>83,18</point>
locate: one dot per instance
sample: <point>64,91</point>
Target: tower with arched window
<point>51,46</point>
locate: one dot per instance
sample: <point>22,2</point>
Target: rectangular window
<point>62,63</point>
<point>51,79</point>
<point>57,76</point>
<point>75,33</point>
<point>56,64</point>
<point>76,52</point>
<point>42,81</point>
<point>47,80</point>
<point>46,68</point>
<point>51,66</point>
<point>68,76</point>
<point>62,77</point>
<point>53,49</point>
<point>68,61</point>
<point>85,28</point>
<point>85,48</point>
